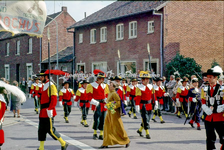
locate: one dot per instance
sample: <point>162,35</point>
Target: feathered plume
<point>96,71</point>
<point>14,90</point>
<point>219,70</point>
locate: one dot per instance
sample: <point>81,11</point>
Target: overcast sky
<point>76,8</point>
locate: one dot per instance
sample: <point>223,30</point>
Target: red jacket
<point>45,100</point>
<point>66,94</point>
<point>145,93</point>
<point>82,96</point>
<point>119,92</point>
<point>159,91</point>
<point>182,92</point>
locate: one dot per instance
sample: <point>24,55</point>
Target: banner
<point>23,17</point>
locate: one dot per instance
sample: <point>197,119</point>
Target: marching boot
<point>66,120</point>
<point>41,145</point>
<point>135,117</point>
<point>198,126</point>
<point>95,135</point>
<point>191,123</point>
<point>153,118</point>
<point>161,120</point>
<point>64,147</point>
<point>139,131</point>
<point>178,114</point>
<point>147,134</point>
<point>101,135</point>
<point>85,124</point>
<point>129,114</point>
<point>82,122</point>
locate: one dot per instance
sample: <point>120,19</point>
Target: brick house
<point>129,26</point>
<point>21,55</point>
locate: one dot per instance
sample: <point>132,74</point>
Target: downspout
<point>40,52</point>
<point>161,40</point>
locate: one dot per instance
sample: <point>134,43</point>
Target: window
<point>126,66</point>
<point>7,49</point>
<point>17,47</point>
<point>120,32</point>
<point>7,72</point>
<point>99,65</point>
<point>63,68</point>
<point>30,46</point>
<point>81,66</point>
<point>154,64</point>
<point>133,29</point>
<point>103,34</point>
<point>80,38</point>
<point>29,68</point>
<point>150,26</point>
<point>93,36</point>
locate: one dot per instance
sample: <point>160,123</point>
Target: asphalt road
<point>21,133</point>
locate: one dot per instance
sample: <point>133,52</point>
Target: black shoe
<point>198,128</point>
<point>162,121</point>
<point>66,121</point>
<point>178,116</point>
<point>148,136</point>
<point>86,125</point>
<point>140,133</point>
<point>127,145</point>
<point>64,147</point>
<point>95,136</point>
<point>129,115</point>
<point>37,112</point>
<point>103,147</point>
<point>82,123</point>
<point>191,125</point>
<point>135,117</point>
<point>154,120</point>
<point>100,137</point>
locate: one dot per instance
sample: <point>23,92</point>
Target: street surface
<point>21,133</point>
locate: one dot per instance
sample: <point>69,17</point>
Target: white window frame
<point>64,68</point>
<point>29,65</point>
<point>134,30</point>
<point>125,62</point>
<point>92,40</point>
<point>103,34</point>
<point>18,47</point>
<point>99,62</point>
<point>7,49</point>
<point>8,72</point>
<point>80,38</point>
<point>151,27</point>
<point>30,41</point>
<point>81,64</point>
<point>120,34</point>
<point>153,60</point>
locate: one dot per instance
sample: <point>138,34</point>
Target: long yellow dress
<point>114,132</point>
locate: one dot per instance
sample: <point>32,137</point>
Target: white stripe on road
<point>66,138</point>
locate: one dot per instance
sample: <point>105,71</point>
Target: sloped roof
<point>117,10</point>
<point>64,56</point>
<point>6,35</point>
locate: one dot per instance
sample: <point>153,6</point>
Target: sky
<point>76,8</point>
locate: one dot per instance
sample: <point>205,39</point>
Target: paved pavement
<point>21,133</point>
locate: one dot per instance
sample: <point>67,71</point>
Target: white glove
<point>74,97</point>
<point>156,105</point>
<point>75,103</point>
<point>1,121</point>
<point>105,100</point>
<point>60,103</point>
<point>29,95</point>
<point>220,108</point>
<point>222,94</point>
<point>125,102</point>
<point>128,99</point>
<point>50,113</point>
<point>206,109</point>
<point>94,102</point>
<point>36,97</point>
<point>194,100</point>
<point>137,108</point>
<point>177,100</point>
<point>166,94</point>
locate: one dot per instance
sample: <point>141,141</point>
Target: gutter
<point>161,40</point>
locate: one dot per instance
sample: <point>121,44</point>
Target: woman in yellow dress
<point>114,132</point>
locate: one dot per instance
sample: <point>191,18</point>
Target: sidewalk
<point>10,120</point>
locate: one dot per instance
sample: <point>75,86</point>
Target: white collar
<point>95,85</point>
<point>46,85</point>
<point>82,90</point>
<point>131,86</point>
<point>40,85</point>
<point>142,87</point>
<point>2,98</point>
<point>35,84</point>
<point>183,88</point>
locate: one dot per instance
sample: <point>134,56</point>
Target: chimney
<point>84,14</point>
<point>64,8</point>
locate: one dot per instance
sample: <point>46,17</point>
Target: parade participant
<point>213,106</point>
<point>181,98</point>
<point>48,103</point>
<point>97,93</point>
<point>114,132</point>
<point>177,85</point>
<point>4,88</point>
<point>170,85</point>
<point>82,97</point>
<point>23,85</point>
<point>160,93</point>
<point>65,95</point>
<point>131,96</point>
<point>118,79</point>
<point>29,84</point>
<point>194,98</point>
<point>221,82</point>
<point>145,95</point>
<point>34,90</point>
<point>124,84</point>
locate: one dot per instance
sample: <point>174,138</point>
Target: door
<point>17,72</point>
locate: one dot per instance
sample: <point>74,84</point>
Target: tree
<point>214,63</point>
<point>184,65</point>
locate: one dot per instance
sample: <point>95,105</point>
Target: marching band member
<point>34,90</point>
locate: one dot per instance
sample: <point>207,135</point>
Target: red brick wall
<point>65,39</point>
<point>198,29</point>
<point>130,49</point>
<point>21,59</point>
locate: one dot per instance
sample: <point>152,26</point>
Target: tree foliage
<point>184,65</point>
<point>214,63</point>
